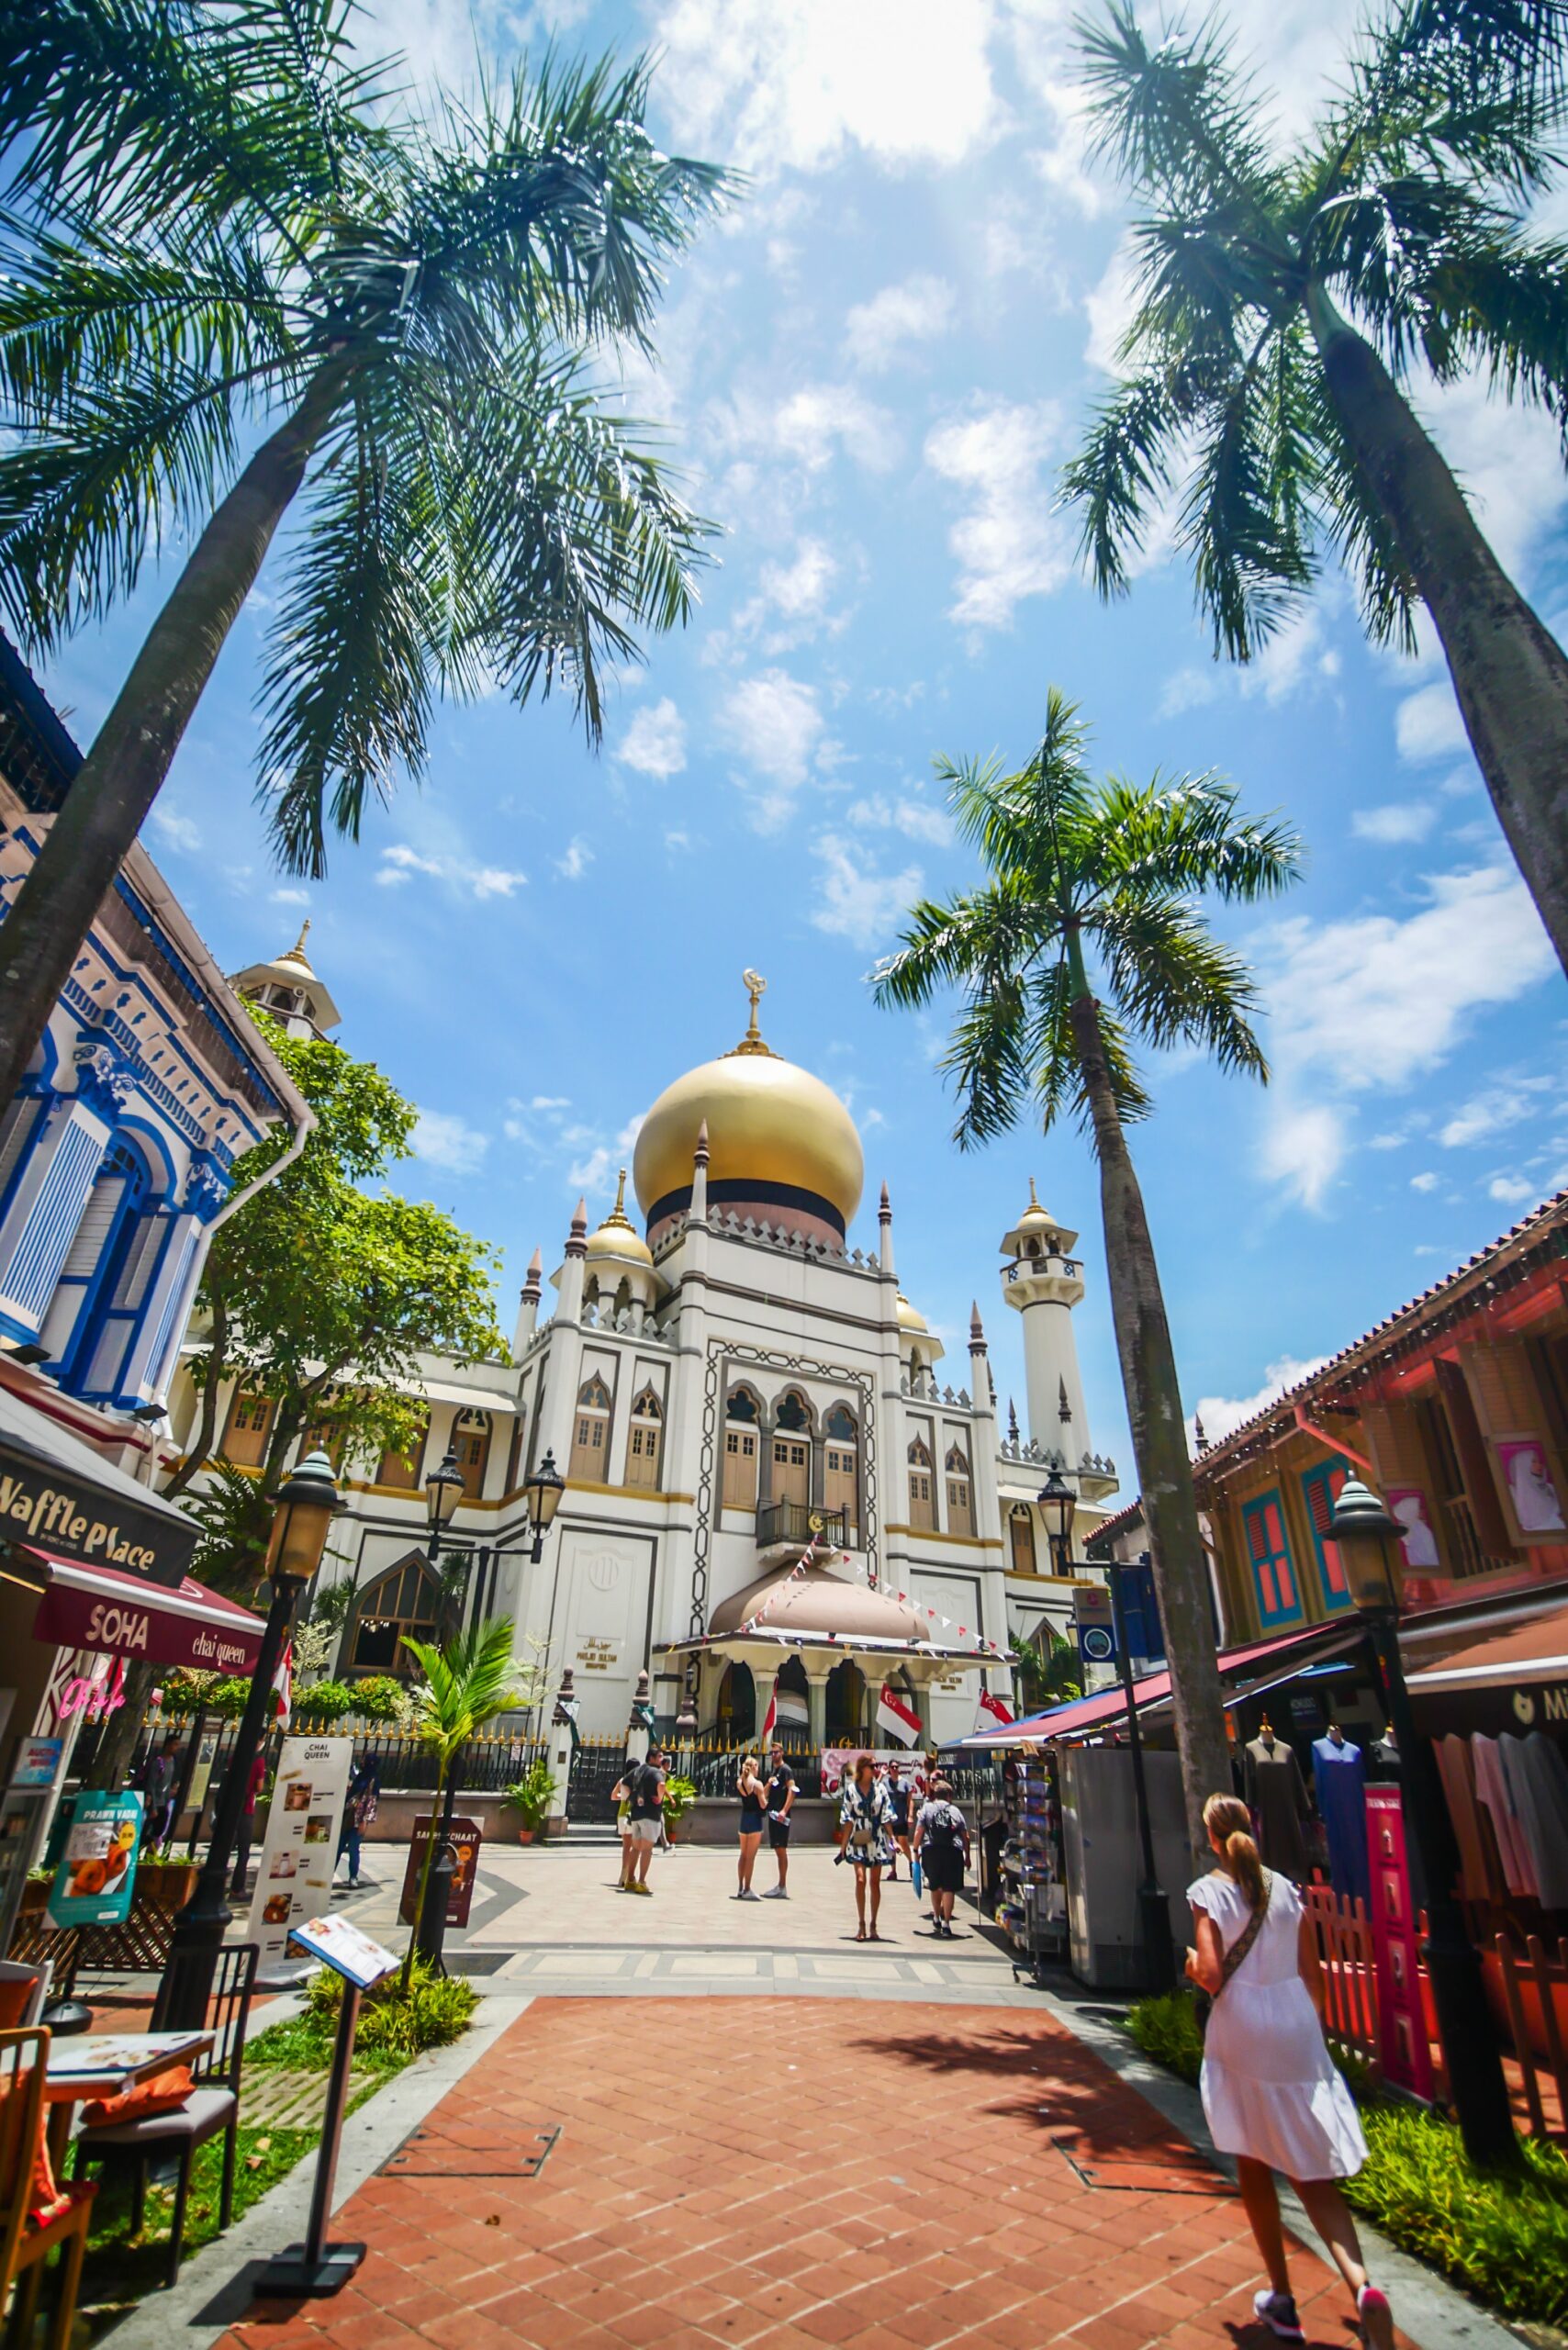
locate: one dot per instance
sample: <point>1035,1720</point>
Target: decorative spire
<point>977,1329</point>
<point>885,1210</point>
<point>701,1151</point>
<point>756,988</point>
<point>296,952</point>
<point>1011,1421</point>
<point>1199,1438</point>
<point>577,1244</point>
<point>618,1219</point>
<point>533,1280</point>
<point>1064,1409</point>
<point>1034,1202</point>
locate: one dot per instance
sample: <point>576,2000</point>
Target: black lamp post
<point>1365,1531</point>
<point>305,1506</point>
<point>1058,1503</point>
<point>443,1490</point>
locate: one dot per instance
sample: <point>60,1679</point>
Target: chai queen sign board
<point>300,1849</point>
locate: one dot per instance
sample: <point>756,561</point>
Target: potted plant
<point>679,1796</point>
<point>531,1796</point>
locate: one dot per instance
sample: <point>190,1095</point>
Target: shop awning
<point>1261,1665</point>
<point>57,1490</point>
<point>1537,1650</point>
<point>115,1614</point>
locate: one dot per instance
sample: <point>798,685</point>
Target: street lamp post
<point>443,1490</point>
<point>304,1506</point>
<point>1364,1529</point>
<point>1057,1505</point>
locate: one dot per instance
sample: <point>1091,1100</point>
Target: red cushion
<point>166,2092</point>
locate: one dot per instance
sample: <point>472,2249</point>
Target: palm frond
<point>1120,473</point>
<point>469,1680</point>
<point>1173,982</point>
<point>1503,307</point>
<point>1252,559</point>
<point>1176,121</point>
<point>1166,838</point>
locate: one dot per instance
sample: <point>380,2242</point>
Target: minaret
<point>1043,1281</point>
<point>289,990</point>
<point>569,1280</point>
<point>885,1234</point>
<point>528,1306</point>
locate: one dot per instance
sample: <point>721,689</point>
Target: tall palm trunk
<point>1510,677</point>
<point>198,1452</point>
<point>1159,1441</point>
<point>122,774</point>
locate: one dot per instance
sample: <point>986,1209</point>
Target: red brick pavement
<point>794,2174</point>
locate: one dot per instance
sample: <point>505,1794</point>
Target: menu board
<point>346,1950</point>
<point>97,1876</point>
<point>467,1838</point>
<point>294,1881</point>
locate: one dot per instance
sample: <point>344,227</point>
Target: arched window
<point>841,1466</point>
<point>643,1444</point>
<point>740,1449</point>
<point>792,1449</point>
<point>250,1424</point>
<point>101,1291</point>
<point>960,1491</point>
<point>591,1434</point>
<point>471,1443</point>
<point>847,1706</point>
<point>1021,1534</point>
<point>402,1603</point>
<point>921,1503</point>
<point>402,1469</point>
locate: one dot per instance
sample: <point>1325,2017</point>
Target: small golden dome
<point>618,1235</point>
<point>910,1318</point>
<point>1034,1218</point>
<point>769,1122</point>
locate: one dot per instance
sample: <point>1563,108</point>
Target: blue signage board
<point>1140,1611</point>
<point>1096,1644</point>
<point>96,1878</point>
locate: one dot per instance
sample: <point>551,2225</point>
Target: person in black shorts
<point>898,1795</point>
<point>778,1794</point>
<point>646,1784</point>
<point>942,1844</point>
<point>750,1787</point>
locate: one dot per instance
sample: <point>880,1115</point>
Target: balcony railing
<point>798,1521</point>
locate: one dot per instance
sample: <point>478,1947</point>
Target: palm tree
<point>1286,301</point>
<point>469,1680</point>
<point>236,266</point>
<point>1110,869</point>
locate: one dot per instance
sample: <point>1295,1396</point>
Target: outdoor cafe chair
<point>213,2105</point>
<point>25,2243</point>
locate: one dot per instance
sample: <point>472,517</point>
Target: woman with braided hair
<point>1271,2094</point>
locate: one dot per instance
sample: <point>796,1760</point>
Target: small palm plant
<point>239,269</point>
<point>469,1680</point>
<point>1288,301</point>
<point>1078,870</point>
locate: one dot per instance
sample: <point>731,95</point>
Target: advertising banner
<point>95,1881</point>
<point>467,1838</point>
<point>294,1881</point>
<point>837,1760</point>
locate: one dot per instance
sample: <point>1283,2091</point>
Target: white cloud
<point>1294,656</point>
<point>576,860</point>
<point>290,898</point>
<point>445,1140</point>
<point>175,831</point>
<point>915,818</point>
<point>797,82</point>
<point>1509,1190</point>
<point>592,1171</point>
<point>813,421</point>
<point>1401,820</point>
<point>654,743</point>
<point>879,331</point>
<point>1009,543</point>
<point>800,588</point>
<point>1424,1182</point>
<point>399,863</point>
<point>775,724</point>
<point>1371,1002</point>
<point>1187,690</point>
<point>1223,1414</point>
<point>1494,1109</point>
<point>1427,725</point>
<point>858,901</point>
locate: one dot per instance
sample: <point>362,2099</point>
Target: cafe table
<point>101,2065</point>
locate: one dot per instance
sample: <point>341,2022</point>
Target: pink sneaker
<point>1377,2318</point>
<point>1278,2312</point>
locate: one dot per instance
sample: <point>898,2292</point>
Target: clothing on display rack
<point>1382,1761</point>
<point>1480,1867</point>
<point>1276,1795</point>
<point>1338,1779</point>
<point>1538,1783</point>
<point>1492,1791</point>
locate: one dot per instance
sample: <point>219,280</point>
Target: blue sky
<point>871,372</point>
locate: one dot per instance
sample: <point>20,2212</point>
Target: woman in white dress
<point>1271,2094</point>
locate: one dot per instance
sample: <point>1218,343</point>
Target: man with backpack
<point>942,1849</point>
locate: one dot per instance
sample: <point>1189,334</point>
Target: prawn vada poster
<point>96,1878</point>
<point>299,1850</point>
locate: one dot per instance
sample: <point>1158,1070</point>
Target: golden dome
<point>1034,1218</point>
<point>618,1235</point>
<point>910,1318</point>
<point>770,1123</point>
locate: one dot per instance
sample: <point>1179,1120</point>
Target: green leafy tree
<point>320,1295</point>
<point>239,266</point>
<point>1287,301</point>
<point>468,1680</point>
<point>1079,871</point>
<point>1046,1670</point>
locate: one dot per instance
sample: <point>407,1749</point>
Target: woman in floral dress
<point>865,1838</point>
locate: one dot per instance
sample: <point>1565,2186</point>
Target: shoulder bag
<point>1235,1956</point>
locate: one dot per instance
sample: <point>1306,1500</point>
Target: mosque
<point>720,1381</point>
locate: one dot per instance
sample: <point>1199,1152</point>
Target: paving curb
<point>216,2283</point>
<point>1428,2311</point>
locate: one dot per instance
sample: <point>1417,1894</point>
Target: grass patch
<point>1503,2237</point>
<point>438,2010</point>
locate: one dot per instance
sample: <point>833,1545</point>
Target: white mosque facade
<point>718,1383</point>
